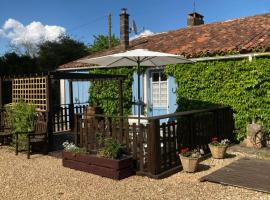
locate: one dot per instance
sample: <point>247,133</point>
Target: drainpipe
<point>252,55</point>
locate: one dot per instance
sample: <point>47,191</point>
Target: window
<point>159,89</point>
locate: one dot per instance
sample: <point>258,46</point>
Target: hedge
<point>241,84</point>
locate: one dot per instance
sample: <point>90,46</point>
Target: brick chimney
<point>124,28</point>
<point>194,19</point>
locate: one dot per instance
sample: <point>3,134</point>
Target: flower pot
<point>218,152</point>
<point>189,164</point>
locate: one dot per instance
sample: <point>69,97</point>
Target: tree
<point>101,43</point>
<point>25,48</point>
<point>12,63</point>
<point>53,54</point>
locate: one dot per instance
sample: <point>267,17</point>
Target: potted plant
<point>109,162</point>
<point>218,149</point>
<point>189,159</point>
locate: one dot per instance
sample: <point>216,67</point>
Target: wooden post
<point>76,129</point>
<point>1,92</point>
<point>121,110</point>
<point>155,151</point>
<point>71,106</point>
<point>49,112</point>
<point>110,30</point>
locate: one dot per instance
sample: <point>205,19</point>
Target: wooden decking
<point>248,173</point>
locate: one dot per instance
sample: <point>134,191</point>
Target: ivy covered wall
<point>241,84</point>
<point>105,93</point>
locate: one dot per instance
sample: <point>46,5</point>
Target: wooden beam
<point>1,92</point>
<point>121,109</point>
<point>49,113</point>
<point>65,75</point>
<point>85,77</point>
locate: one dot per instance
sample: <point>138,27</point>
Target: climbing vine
<point>105,93</point>
<point>243,85</point>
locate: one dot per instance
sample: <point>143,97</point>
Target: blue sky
<point>84,18</point>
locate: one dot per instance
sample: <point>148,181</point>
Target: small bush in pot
<point>189,159</point>
<point>218,149</point>
<point>112,149</point>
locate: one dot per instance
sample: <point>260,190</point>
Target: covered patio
<point>154,145</point>
<point>40,90</point>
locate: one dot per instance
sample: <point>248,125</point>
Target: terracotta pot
<point>218,152</point>
<point>189,164</point>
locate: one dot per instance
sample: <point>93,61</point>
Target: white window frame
<point>159,88</point>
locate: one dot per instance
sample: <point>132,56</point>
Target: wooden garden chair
<point>5,128</point>
<point>36,137</point>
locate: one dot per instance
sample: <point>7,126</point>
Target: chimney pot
<point>124,28</point>
<point>123,11</point>
<point>195,19</point>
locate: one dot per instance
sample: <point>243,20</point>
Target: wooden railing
<point>192,129</point>
<point>63,116</point>
<point>156,144</point>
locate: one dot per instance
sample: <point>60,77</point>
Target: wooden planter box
<point>114,169</point>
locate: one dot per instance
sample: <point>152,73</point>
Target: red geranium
<point>184,150</point>
<point>214,139</point>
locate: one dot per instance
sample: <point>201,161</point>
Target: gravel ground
<point>43,177</point>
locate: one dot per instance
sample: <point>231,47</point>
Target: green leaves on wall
<point>243,85</point>
<point>105,93</point>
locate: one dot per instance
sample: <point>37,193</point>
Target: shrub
<point>21,115</point>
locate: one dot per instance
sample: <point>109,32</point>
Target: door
<point>158,93</point>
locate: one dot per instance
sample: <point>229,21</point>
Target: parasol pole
<point>139,91</point>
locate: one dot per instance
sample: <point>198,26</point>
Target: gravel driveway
<point>43,177</point>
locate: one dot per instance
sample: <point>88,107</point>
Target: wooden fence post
<point>1,92</point>
<point>155,151</point>
<point>121,109</point>
<point>50,113</point>
<point>71,106</point>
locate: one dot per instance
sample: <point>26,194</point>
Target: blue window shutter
<point>172,94</point>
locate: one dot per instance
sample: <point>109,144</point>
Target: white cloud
<point>33,33</point>
<point>142,34</point>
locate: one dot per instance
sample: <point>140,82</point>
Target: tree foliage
<point>101,43</point>
<point>12,63</point>
<point>243,85</point>
<point>50,56</point>
<point>53,54</point>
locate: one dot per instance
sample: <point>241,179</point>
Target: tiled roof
<point>243,35</point>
